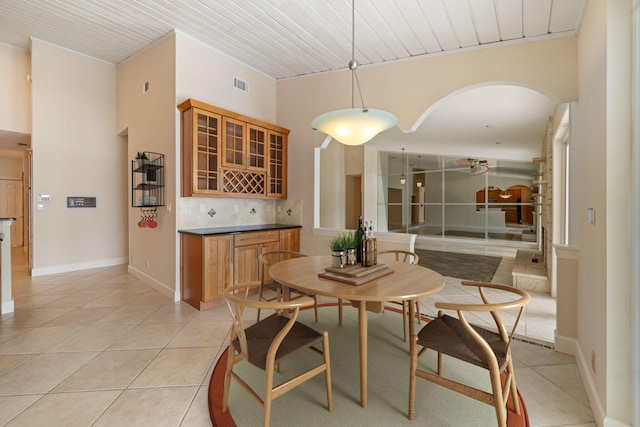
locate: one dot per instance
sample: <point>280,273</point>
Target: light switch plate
<point>591,215</point>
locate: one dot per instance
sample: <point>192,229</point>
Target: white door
<point>11,207</point>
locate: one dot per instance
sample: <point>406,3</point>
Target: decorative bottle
<point>360,235</point>
<point>370,249</point>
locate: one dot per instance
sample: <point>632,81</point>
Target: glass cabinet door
<point>234,143</point>
<point>206,157</point>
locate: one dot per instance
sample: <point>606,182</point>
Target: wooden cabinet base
<point>206,269</point>
<point>210,264</point>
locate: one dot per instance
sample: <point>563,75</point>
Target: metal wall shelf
<point>147,181</point>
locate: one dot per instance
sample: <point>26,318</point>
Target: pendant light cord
<point>353,64</point>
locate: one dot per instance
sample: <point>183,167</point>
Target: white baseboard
<point>173,294</point>
<point>7,307</point>
<point>565,345</point>
<point>80,266</point>
<point>584,367</point>
<point>610,422</point>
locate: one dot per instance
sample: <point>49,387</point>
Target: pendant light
<point>505,194</point>
<point>354,126</point>
<point>403,178</point>
<point>419,183</point>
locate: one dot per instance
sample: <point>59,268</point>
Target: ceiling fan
<point>477,166</point>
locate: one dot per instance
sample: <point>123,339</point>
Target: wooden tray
<point>356,280</point>
<point>356,270</point>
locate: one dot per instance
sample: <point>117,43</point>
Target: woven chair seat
<point>446,335</point>
<point>260,336</point>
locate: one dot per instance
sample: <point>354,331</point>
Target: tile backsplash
<point>207,212</point>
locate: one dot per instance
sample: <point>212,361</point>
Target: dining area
<point>365,340</point>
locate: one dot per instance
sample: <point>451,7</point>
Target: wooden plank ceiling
<point>288,38</point>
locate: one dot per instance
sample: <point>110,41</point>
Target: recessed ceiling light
<point>488,126</point>
<point>498,142</point>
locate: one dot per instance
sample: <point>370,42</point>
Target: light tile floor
<point>99,347</point>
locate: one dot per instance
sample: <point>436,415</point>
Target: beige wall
<point>601,155</point>
<point>148,121</point>
<point>10,167</point>
<point>588,167</point>
<point>206,75</point>
<point>620,149</point>
<point>15,102</point>
<point>76,153</point>
<point>409,89</point>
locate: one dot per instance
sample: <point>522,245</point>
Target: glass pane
<point>464,222</point>
<point>495,199</point>
<point>460,186</point>
<point>433,187</point>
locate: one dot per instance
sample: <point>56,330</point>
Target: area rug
<point>461,266</point>
<point>388,384</point>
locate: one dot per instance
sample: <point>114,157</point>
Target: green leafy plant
<point>141,156</point>
<point>341,242</point>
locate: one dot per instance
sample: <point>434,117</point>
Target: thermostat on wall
<point>81,202</point>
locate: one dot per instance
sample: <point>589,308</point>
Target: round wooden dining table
<point>407,282</point>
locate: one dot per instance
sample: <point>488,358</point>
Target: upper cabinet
<point>230,155</point>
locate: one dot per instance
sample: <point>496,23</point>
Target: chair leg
<point>418,312</point>
<point>315,306</point>
<point>259,299</point>
<point>339,312</point>
<point>327,373</point>
<point>412,374</point>
<point>498,401</point>
<point>514,389</point>
<point>227,378</point>
<point>268,389</point>
<point>439,364</point>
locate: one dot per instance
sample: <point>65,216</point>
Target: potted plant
<point>141,158</point>
<point>343,249</point>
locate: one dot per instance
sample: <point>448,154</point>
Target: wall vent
<point>240,84</point>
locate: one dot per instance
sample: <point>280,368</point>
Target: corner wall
<point>75,153</point>
<point>147,123</point>
<point>601,156</point>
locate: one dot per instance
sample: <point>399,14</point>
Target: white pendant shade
<point>354,126</point>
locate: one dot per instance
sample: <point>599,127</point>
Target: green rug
<point>388,383</point>
<point>461,266</point>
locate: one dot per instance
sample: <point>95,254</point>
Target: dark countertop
<point>237,229</point>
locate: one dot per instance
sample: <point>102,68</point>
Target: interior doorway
<point>11,207</point>
<point>15,195</point>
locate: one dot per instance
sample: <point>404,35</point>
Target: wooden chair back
<point>267,342</point>
<point>267,259</point>
<point>402,255</point>
<point>486,348</point>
